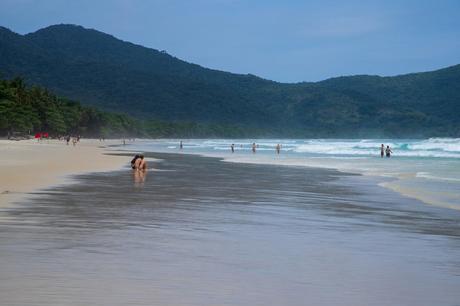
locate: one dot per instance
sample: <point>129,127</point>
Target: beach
<point>285,153</point>
<point>424,169</point>
<point>200,231</point>
<point>29,165</point>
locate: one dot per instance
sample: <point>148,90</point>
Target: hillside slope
<point>98,69</point>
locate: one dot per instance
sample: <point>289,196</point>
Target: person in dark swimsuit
<point>388,151</point>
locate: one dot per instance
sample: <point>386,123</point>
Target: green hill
<point>100,70</point>
<point>25,111</point>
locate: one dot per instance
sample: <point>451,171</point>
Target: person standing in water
<point>382,150</point>
<point>254,147</point>
<point>181,146</point>
<point>232,147</point>
<point>388,151</point>
<point>278,148</point>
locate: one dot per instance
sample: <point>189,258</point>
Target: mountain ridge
<point>83,29</point>
<point>101,70</point>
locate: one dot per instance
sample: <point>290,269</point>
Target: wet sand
<point>199,231</point>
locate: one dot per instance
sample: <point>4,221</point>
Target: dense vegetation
<point>102,71</point>
<point>26,111</point>
<point>31,110</point>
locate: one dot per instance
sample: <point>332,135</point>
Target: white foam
<point>440,148</point>
<point>429,176</point>
<point>441,144</point>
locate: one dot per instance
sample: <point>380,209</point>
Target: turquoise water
<point>428,169</point>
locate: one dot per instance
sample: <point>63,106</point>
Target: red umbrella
<point>37,135</point>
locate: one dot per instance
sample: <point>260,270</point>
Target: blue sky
<point>287,41</point>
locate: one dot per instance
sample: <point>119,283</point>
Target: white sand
<point>27,165</point>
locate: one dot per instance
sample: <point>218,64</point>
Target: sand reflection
<point>139,177</point>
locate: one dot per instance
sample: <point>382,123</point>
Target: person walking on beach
<point>68,139</point>
<point>382,150</point>
<point>254,147</point>
<point>278,148</point>
<point>388,151</point>
<point>232,147</point>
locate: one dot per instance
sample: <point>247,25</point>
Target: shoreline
<point>386,182</point>
<point>393,183</point>
<point>28,165</point>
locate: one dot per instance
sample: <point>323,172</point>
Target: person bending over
<point>140,163</point>
<point>133,161</point>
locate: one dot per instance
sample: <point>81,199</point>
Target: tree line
<point>28,110</point>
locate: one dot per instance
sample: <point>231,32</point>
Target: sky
<point>285,41</point>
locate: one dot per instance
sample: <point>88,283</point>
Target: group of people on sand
<point>74,139</point>
<point>385,151</point>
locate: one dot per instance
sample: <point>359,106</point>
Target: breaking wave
<point>433,147</point>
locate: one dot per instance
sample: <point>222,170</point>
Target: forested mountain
<point>30,110</point>
<point>25,111</point>
<point>100,70</point>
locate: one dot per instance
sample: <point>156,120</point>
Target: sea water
<point>426,169</point>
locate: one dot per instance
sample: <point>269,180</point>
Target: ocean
<point>426,169</point>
